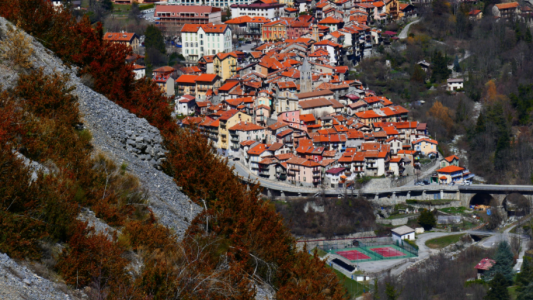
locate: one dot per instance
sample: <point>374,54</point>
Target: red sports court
<point>388,252</point>
<point>353,255</point>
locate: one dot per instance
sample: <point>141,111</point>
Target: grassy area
<point>444,241</point>
<point>400,216</point>
<point>354,288</point>
<point>321,253</point>
<point>512,292</point>
<point>454,210</point>
<point>432,202</point>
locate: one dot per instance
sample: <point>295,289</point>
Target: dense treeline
<point>238,242</point>
<point>339,216</point>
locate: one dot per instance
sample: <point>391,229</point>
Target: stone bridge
<point>467,195</point>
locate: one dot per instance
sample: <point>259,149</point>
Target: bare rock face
<point>121,136</point>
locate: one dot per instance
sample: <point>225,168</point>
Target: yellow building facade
<point>227,120</point>
<point>225,65</point>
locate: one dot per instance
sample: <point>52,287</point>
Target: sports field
<point>388,252</point>
<point>381,252</point>
<point>353,255</point>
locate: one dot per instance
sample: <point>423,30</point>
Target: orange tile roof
<point>208,28</point>
<point>451,158</point>
<point>246,126</point>
<point>450,169</point>
<point>187,79</point>
<point>426,140</point>
<point>206,77</point>
<point>258,149</point>
<point>507,5</point>
<point>330,20</point>
<point>119,36</point>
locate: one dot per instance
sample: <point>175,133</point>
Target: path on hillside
<point>405,30</point>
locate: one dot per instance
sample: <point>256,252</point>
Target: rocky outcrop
<point>121,136</point>
<point>18,282</point>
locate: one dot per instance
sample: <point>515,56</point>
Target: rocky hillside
<point>128,140</point>
<point>122,136</point>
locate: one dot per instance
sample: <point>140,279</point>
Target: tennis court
<point>369,249</point>
<point>353,255</point>
<point>388,252</point>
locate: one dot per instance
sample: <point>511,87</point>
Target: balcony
<point>291,173</point>
<point>264,171</point>
<point>316,175</point>
<point>235,139</point>
<point>203,88</point>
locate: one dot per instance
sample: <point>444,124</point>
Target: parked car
<point>426,182</point>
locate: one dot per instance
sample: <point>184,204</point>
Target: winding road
<point>405,30</point>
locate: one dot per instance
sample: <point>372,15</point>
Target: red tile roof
<point>450,169</point>
<point>119,36</point>
<point>187,79</point>
<point>246,126</point>
<point>206,77</point>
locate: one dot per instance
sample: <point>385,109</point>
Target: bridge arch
<point>516,204</point>
<point>483,198</point>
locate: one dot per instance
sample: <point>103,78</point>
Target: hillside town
<point>266,149</point>
<point>286,109</point>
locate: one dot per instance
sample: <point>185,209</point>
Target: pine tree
<point>418,74</point>
<point>440,67</point>
<point>391,292</point>
<point>497,288</point>
<point>526,293</point>
<point>154,39</point>
<point>480,124</point>
<point>525,277</point>
<point>456,65</point>
<point>427,219</point>
<point>528,38</point>
<point>504,262</point>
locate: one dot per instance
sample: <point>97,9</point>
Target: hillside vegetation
<point>237,244</point>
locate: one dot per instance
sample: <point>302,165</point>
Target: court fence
<point>388,248</point>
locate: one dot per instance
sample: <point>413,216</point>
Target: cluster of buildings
<point>286,109</point>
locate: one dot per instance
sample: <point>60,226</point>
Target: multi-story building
<point>129,39</point>
<point>175,16</point>
<point>225,65</point>
<point>306,172</point>
<point>247,27</point>
<point>216,3</point>
<point>227,120</point>
<point>506,10</point>
<point>206,82</point>
<point>276,30</point>
<point>199,40</point>
<point>270,9</point>
<point>245,131</point>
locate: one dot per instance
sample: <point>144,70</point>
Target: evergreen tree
<point>504,262</point>
<point>391,292</point>
<point>154,39</point>
<point>440,69</point>
<point>461,114</point>
<point>528,38</point>
<point>456,65</point>
<point>418,74</point>
<point>480,124</point>
<point>107,5</point>
<point>498,288</point>
<point>427,219</point>
<point>525,277</point>
<point>526,293</point>
<point>375,294</point>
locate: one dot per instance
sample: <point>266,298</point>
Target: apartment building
<point>175,16</point>
<point>205,39</point>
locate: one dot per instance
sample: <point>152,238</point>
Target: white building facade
<point>199,40</point>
